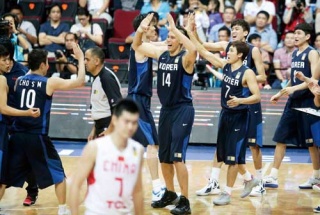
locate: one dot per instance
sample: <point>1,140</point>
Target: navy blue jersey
<point>232,86</point>
<point>140,76</point>
<point>31,93</point>
<point>248,61</point>
<point>300,63</point>
<point>174,83</point>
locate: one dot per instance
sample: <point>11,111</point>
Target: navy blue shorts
<point>33,153</point>
<point>147,132</point>
<point>298,128</point>
<point>254,133</point>
<point>175,125</point>
<point>3,151</point>
<point>232,133</point>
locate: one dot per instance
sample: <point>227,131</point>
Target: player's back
<point>113,178</point>
<point>31,92</point>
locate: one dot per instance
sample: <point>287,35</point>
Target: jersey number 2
<point>28,99</point>
<point>166,79</point>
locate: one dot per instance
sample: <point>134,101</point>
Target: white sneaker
<point>270,181</point>
<point>316,187</point>
<point>156,196</point>
<point>64,211</point>
<point>258,190</point>
<point>211,188</point>
<point>308,184</point>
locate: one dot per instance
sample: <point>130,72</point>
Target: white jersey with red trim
<point>113,178</point>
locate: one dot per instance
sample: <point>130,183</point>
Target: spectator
<point>268,35</point>
<point>97,8</point>
<point>317,22</point>
<point>89,34</point>
<point>163,9</point>
<point>282,61</point>
<point>25,28</point>
<point>67,64</point>
<point>255,40</point>
<point>237,4</point>
<point>317,42</point>
<point>252,8</point>
<point>128,5</point>
<point>19,42</point>
<point>228,16</point>
<point>214,15</point>
<point>53,32</point>
<point>201,17</point>
<point>295,14</point>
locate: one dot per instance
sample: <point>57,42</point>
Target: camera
<point>58,54</point>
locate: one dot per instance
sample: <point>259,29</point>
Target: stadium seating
<point>69,8</point>
<point>35,20</point>
<point>119,67</point>
<point>33,7</point>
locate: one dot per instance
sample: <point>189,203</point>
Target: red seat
<point>122,24</point>
<point>119,67</point>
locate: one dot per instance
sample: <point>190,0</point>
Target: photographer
<point>295,13</point>
<point>66,63</point>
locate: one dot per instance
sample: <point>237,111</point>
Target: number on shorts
<point>28,99</point>
<point>166,79</point>
<point>121,186</point>
<point>228,89</point>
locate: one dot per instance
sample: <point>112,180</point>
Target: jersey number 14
<point>28,99</point>
<point>166,79</point>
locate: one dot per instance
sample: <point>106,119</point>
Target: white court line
<point>66,152</point>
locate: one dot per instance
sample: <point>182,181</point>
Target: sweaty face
<point>237,33</point>
<point>126,124</point>
<point>4,64</point>
<point>55,14</point>
<point>300,37</point>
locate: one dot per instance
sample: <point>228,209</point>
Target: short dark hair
<point>137,20</point>
<point>264,13</point>
<point>253,36</point>
<point>36,57</point>
<point>306,28</point>
<point>98,52</point>
<point>4,51</point>
<point>55,5</point>
<point>14,17</point>
<point>183,31</point>
<point>125,105</point>
<point>71,33</point>
<point>242,47</point>
<point>225,28</point>
<point>155,17</point>
<point>230,7</point>
<point>242,23</point>
<point>16,7</point>
<point>6,42</point>
<point>84,12</point>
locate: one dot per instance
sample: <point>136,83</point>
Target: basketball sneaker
<point>248,186</point>
<point>183,207</point>
<point>210,189</point>
<point>223,199</point>
<point>168,198</point>
<point>317,209</point>
<point>308,184</point>
<point>270,181</point>
<point>30,200</point>
<point>316,187</point>
<point>258,190</point>
<point>156,196</point>
<point>63,210</point>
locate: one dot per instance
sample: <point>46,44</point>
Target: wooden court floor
<point>287,199</point>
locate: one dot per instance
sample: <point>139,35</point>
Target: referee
<point>105,91</point>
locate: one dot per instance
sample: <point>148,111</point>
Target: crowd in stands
<point>55,24</point>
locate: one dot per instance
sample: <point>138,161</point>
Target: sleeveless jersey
<point>300,63</point>
<point>31,93</point>
<point>248,61</point>
<point>232,86</point>
<point>174,83</point>
<point>113,178</point>
<point>140,76</point>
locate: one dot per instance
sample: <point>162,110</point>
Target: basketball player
<point>112,165</point>
<point>105,91</point>
<point>296,127</point>
<point>140,90</point>
<point>239,31</point>
<point>235,101</point>
<point>313,85</point>
<point>30,148</point>
<point>174,77</point>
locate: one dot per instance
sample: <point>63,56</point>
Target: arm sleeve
<point>111,87</point>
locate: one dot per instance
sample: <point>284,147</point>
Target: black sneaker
<point>182,208</point>
<point>168,198</point>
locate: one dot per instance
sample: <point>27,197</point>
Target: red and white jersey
<point>113,178</point>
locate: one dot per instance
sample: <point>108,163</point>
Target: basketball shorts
<point>175,125</point>
<point>232,134</point>
<point>101,125</point>
<point>147,132</point>
<point>296,127</point>
<point>3,151</point>
<point>33,153</point>
<point>254,133</point>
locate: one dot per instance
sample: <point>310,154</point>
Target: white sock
<point>247,176</point>
<point>316,174</point>
<point>259,174</point>
<point>215,173</point>
<point>228,190</point>
<point>156,185</point>
<point>63,207</point>
<point>274,173</point>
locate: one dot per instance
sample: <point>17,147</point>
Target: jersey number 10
<point>166,79</point>
<point>28,99</point>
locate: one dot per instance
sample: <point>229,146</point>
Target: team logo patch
<point>252,140</point>
<point>231,158</point>
<point>95,91</point>
<point>303,56</point>
<point>309,140</point>
<point>177,155</point>
<point>238,75</point>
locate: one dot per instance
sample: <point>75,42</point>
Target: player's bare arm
<point>217,74</point>
<point>256,55</point>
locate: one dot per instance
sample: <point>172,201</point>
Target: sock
<point>316,174</point>
<point>247,176</point>
<point>215,173</point>
<point>259,174</point>
<point>156,185</point>
<point>228,190</point>
<point>62,207</point>
<point>274,173</point>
